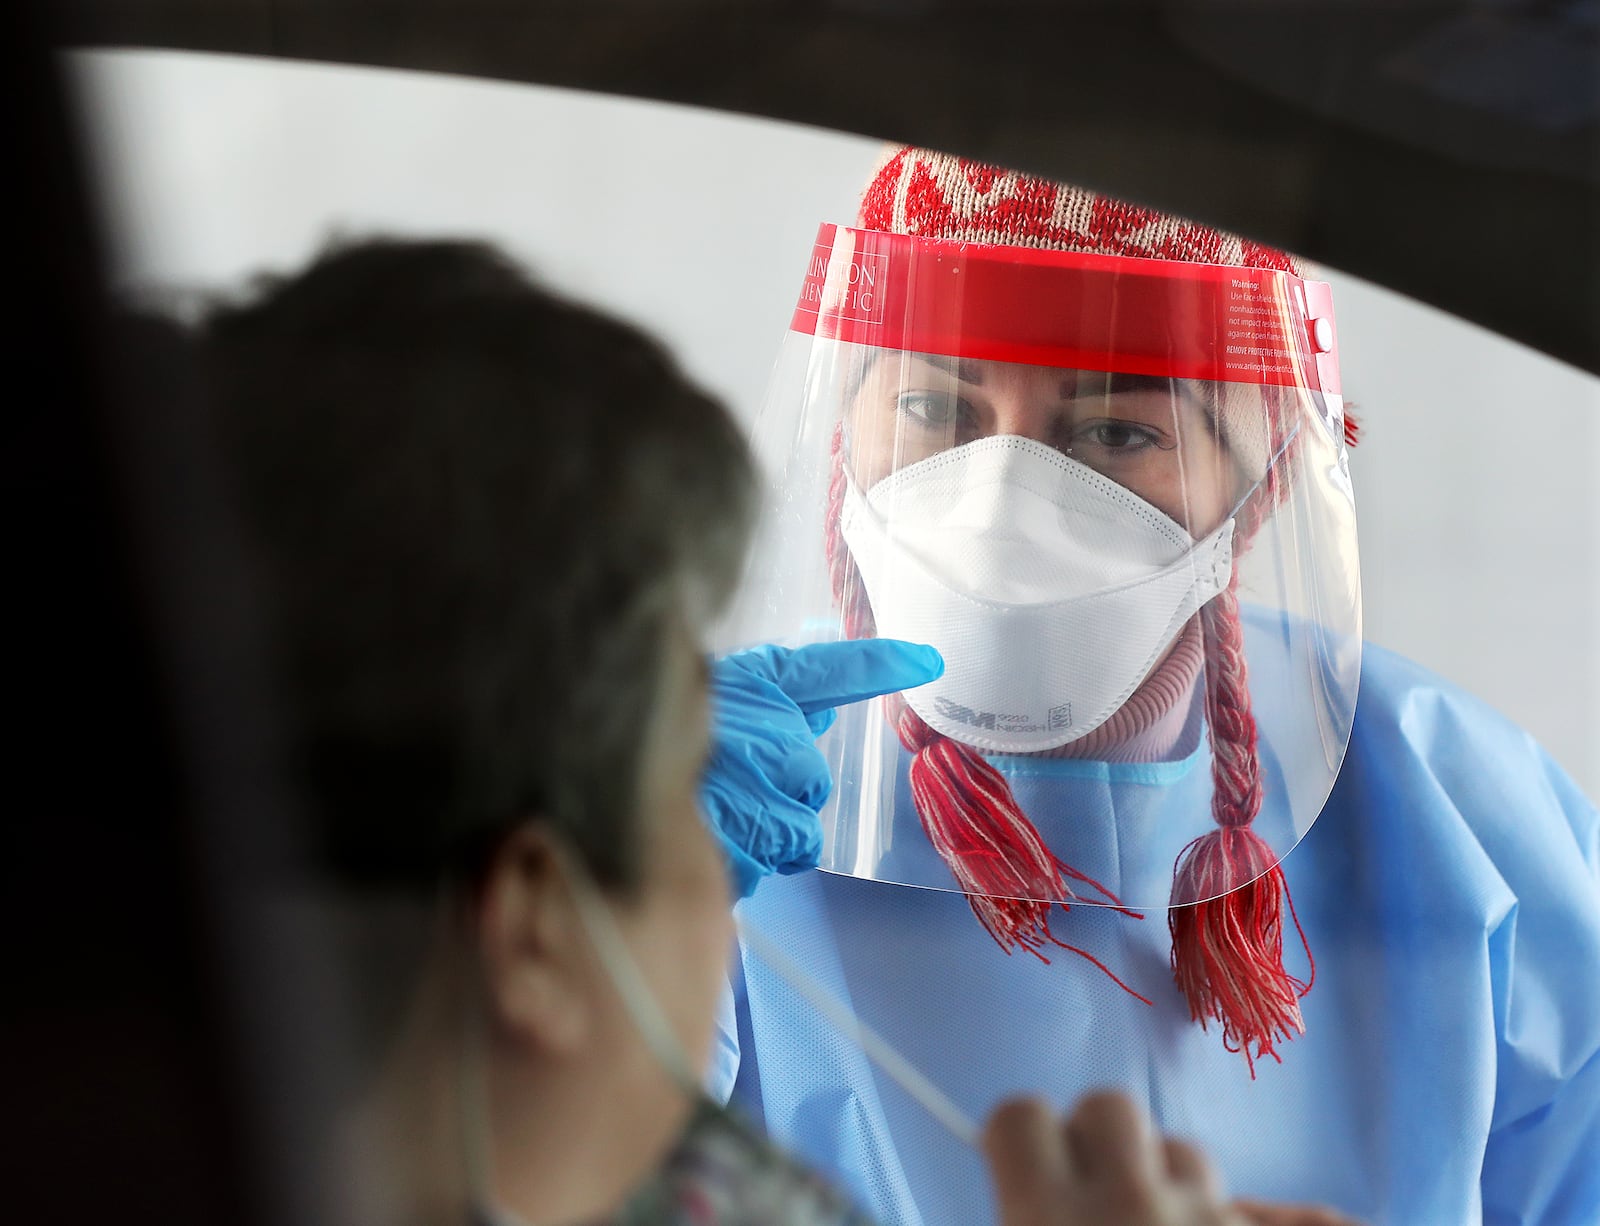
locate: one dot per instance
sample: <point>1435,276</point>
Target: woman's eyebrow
<point>1082,384</point>
<point>965,369</point>
<point>1196,391</point>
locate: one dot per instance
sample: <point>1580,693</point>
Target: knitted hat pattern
<point>1227,952</point>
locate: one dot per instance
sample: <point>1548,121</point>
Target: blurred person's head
<point>489,527</point>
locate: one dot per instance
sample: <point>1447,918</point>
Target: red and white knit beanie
<point>1227,954</point>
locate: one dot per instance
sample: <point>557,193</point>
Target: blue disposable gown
<point>1450,1069</point>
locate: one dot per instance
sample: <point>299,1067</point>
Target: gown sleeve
<point>1542,1160</point>
<point>1536,841</point>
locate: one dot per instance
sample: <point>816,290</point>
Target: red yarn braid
<point>1227,950</point>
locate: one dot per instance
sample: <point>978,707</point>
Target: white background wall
<point>1476,481</point>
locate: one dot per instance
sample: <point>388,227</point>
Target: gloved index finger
<point>825,675</point>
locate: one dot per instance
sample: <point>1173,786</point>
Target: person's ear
<point>538,975</point>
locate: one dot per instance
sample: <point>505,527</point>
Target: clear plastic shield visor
<point>1114,494</point>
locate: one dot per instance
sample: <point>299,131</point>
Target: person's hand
<point>765,781</point>
<point>1102,1166</point>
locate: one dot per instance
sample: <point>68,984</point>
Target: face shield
<point>1114,493</point>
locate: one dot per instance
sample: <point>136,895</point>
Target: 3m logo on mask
<point>996,721</point>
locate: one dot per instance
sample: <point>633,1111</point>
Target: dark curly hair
<point>473,509</point>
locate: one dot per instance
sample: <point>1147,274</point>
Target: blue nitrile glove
<point>765,781</point>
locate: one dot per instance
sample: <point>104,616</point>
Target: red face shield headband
<point>1070,310</point>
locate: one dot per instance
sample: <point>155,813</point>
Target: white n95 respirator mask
<point>1051,590</point>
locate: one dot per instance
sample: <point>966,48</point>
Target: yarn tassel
<point>1227,951</point>
<point>1352,429</point>
<point>1010,877</point>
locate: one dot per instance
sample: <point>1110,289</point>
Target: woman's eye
<point>1118,436</point>
<point>929,408</point>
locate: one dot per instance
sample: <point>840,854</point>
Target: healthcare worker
<point>1141,833</point>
